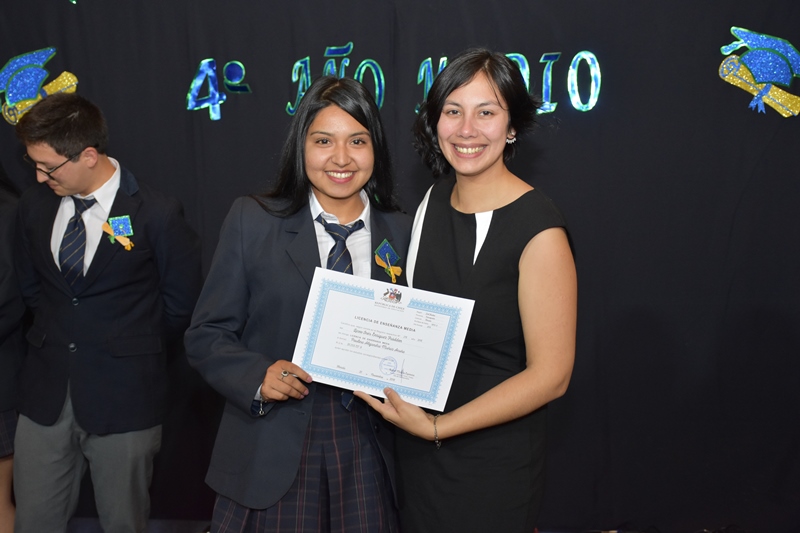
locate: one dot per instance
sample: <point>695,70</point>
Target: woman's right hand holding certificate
<point>284,380</point>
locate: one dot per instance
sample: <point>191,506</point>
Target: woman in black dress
<point>487,235</point>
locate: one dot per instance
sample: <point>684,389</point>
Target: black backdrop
<point>685,400</point>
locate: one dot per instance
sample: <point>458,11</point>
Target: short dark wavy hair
<point>509,83</point>
<point>292,187</point>
<point>67,122</point>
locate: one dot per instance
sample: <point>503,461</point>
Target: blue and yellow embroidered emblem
<point>386,257</point>
<point>119,229</point>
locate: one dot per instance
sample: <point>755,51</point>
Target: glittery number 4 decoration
<point>233,75</point>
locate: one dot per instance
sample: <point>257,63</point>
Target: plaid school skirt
<point>342,484</point>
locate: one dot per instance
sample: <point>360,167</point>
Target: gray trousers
<point>50,461</point>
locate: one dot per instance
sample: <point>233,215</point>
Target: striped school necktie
<point>73,244</point>
<point>339,260</point>
<point>339,257</point>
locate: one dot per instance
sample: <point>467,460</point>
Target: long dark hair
<point>292,188</point>
<point>509,83</point>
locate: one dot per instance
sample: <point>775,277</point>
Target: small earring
<point>512,140</point>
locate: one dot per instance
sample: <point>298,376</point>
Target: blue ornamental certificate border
<point>328,286</point>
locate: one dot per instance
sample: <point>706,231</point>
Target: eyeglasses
<point>48,173</point>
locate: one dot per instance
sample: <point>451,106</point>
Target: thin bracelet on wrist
<point>436,433</point>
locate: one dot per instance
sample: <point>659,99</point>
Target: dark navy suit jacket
<point>107,339</point>
<point>248,317</point>
<point>11,306</point>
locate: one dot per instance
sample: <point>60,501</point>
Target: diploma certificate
<point>362,334</point>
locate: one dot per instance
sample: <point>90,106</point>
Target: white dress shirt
<point>359,244</point>
<point>93,218</point>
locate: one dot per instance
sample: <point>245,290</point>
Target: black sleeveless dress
<point>488,480</point>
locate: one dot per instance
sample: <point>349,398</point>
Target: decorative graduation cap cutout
<point>769,61</point>
<point>21,80</point>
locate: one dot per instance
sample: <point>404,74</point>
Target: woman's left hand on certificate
<point>402,414</point>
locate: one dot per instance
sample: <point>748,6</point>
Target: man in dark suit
<point>111,270</point>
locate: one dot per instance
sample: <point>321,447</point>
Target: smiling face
<point>339,160</point>
<point>70,178</point>
<point>473,129</point>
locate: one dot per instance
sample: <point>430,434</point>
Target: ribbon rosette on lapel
<point>386,257</point>
<point>119,229</point>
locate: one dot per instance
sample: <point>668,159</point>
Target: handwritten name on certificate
<point>362,334</point>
